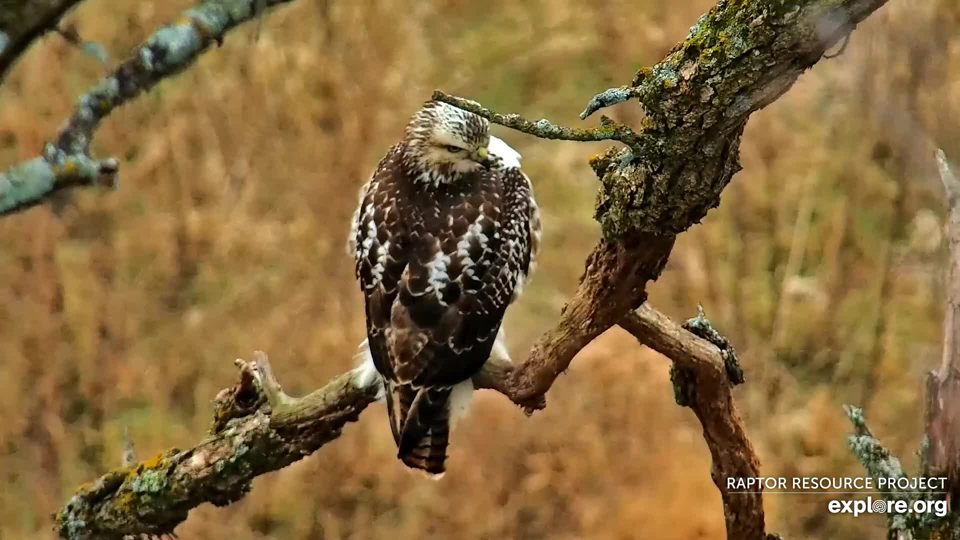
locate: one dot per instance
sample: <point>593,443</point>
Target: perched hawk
<point>444,238</point>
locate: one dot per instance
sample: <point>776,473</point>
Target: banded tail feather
<point>420,422</point>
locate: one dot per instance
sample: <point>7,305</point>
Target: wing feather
<point>439,267</point>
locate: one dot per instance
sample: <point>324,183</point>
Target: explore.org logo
<point>881,506</point>
<point>906,495</point>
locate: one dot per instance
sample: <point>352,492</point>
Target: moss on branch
<point>737,59</point>
<point>607,131</point>
<point>248,439</point>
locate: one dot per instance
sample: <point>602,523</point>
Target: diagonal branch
<point>247,440</point>
<point>66,162</point>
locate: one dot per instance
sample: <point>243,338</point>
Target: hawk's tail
<point>420,421</point>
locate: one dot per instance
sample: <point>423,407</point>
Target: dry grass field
<point>124,310</point>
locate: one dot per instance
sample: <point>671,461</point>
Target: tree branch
<point>24,21</point>
<point>66,161</point>
<point>247,439</point>
<point>608,130</point>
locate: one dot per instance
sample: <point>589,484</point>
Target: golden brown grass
<point>125,309</point>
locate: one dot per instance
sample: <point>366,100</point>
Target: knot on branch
<point>684,381</point>
<point>600,163</point>
<point>241,399</point>
<point>80,169</point>
<point>700,326</point>
<point>256,388</point>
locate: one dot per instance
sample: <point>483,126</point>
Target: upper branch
<point>608,130</point>
<point>66,161</point>
<point>22,22</point>
<point>738,58</point>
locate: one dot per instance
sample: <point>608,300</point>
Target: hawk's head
<point>444,142</point>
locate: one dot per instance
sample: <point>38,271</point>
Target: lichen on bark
<point>737,59</point>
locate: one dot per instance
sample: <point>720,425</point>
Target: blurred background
<point>124,310</point>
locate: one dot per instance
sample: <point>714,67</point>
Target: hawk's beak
<point>482,157</point>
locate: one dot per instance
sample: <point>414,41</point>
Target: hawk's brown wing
<point>438,267</point>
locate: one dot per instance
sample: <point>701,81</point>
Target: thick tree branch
<point>247,440</point>
<point>22,22</point>
<point>707,370</point>
<point>66,161</point>
<point>739,58</point>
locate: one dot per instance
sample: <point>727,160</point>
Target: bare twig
<point>608,130</point>
<point>66,162</point>
<point>608,98</point>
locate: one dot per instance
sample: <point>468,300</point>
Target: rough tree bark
<point>738,58</point>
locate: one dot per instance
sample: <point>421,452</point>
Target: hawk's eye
<point>453,149</point>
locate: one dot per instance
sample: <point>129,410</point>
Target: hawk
<point>444,238</point>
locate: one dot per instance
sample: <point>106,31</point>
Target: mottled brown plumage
<point>444,237</point>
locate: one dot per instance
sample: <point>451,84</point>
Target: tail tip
<point>433,471</point>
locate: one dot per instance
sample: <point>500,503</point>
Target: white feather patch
<point>499,351</point>
<point>438,277</point>
<point>366,374</point>
<point>510,157</point>
<point>460,397</point>
<point>355,222</point>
